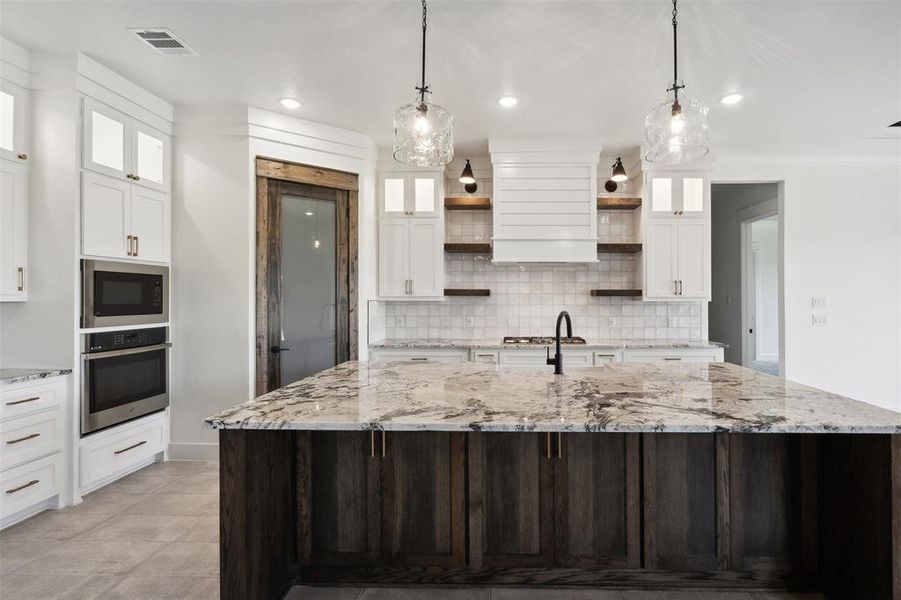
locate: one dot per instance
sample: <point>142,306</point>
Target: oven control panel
<point>127,338</point>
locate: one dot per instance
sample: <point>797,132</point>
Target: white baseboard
<point>205,451</point>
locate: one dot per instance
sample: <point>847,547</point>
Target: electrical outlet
<point>605,219</point>
<point>671,322</point>
<point>819,302</point>
<point>398,321</point>
<point>611,321</point>
<point>468,321</point>
<point>818,319</point>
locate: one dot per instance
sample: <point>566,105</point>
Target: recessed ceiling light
<point>308,213</point>
<point>732,98</point>
<point>508,101</point>
<point>290,103</point>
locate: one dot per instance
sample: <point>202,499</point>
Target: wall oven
<point>121,294</point>
<point>124,376</point>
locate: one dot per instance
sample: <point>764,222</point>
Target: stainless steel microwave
<point>114,294</point>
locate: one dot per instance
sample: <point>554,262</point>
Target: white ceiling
<point>818,77</point>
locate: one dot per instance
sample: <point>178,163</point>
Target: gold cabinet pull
<point>383,443</point>
<point>23,156</point>
<point>30,436</point>
<point>559,445</point>
<point>132,447</point>
<point>128,246</point>
<point>372,443</point>
<point>549,445</point>
<point>23,401</point>
<point>23,486</point>
<point>137,247</point>
<point>20,272</point>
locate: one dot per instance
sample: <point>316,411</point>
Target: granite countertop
<point>8,376</point>
<point>631,397</point>
<point>495,344</point>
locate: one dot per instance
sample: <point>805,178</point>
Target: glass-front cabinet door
<point>106,135</point>
<point>678,194</point>
<point>13,121</point>
<point>410,194</point>
<point>150,154</point>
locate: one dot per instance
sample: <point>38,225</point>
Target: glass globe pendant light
<point>423,131</point>
<point>676,130</point>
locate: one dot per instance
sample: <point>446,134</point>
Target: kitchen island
<point>631,475</point>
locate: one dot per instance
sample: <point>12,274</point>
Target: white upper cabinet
<point>394,257</point>
<point>124,221</point>
<point>677,259</point>
<point>411,258</point>
<point>13,229</point>
<point>426,258</point>
<point>410,194</point>
<point>122,147</point>
<point>14,138</point>
<point>677,194</point>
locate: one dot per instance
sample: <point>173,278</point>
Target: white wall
<point>842,241</point>
<point>725,308</point>
<point>213,249</point>
<point>765,241</point>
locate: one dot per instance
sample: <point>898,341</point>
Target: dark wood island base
<point>819,512</point>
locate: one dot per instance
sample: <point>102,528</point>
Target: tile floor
<point>154,536</point>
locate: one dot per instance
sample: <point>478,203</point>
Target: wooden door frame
<point>270,173</point>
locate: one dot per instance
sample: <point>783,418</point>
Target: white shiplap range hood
<point>545,199</point>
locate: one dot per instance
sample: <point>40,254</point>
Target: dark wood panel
<point>258,527</point>
<point>773,477</point>
<point>619,248</point>
<point>467,248</point>
<point>622,579</point>
<point>423,495</point>
<point>285,171</point>
<point>856,530</point>
<point>511,499</point>
<point>597,521</point>
<point>618,203</point>
<point>339,506</point>
<point>467,292</point>
<point>680,501</point>
<point>896,515</point>
<point>615,293</point>
<point>468,203</point>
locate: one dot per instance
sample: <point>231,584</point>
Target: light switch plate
<point>611,321</point>
<point>468,321</point>
<point>671,322</point>
<point>819,302</point>
<point>818,319</point>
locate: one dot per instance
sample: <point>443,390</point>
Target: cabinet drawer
<point>29,484</point>
<point>675,356</point>
<point>602,357</point>
<point>421,355</point>
<point>25,401</point>
<point>30,437</point>
<point>485,356</point>
<point>107,454</point>
<point>528,357</point>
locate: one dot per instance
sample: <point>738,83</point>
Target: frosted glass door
<point>106,134</point>
<point>308,286</point>
<point>150,151</point>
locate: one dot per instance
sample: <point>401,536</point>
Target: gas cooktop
<point>541,340</point>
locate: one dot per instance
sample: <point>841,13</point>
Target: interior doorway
<point>306,295</point>
<point>746,309</point>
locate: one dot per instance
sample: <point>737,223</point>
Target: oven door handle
<point>124,352</point>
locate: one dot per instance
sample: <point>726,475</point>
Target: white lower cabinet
<point>712,354</point>
<point>425,355</point>
<point>109,454</point>
<point>33,449</point>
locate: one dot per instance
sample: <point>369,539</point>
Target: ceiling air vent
<point>163,41</point>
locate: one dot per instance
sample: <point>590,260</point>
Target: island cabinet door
<point>423,497</point>
<point>597,489</point>
<point>338,497</point>
<point>685,501</point>
<point>511,496</point>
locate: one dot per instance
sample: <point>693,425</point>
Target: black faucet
<point>557,361</point>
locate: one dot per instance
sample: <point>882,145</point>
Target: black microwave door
<point>119,380</point>
<point>120,294</point>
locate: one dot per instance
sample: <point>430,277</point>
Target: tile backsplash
<point>525,299</point>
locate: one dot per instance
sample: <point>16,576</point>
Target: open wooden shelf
<point>618,203</point>
<point>609,293</point>
<point>618,248</point>
<point>468,248</point>
<point>459,292</point>
<point>468,203</point>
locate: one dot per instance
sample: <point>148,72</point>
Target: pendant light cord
<point>423,88</point>
<point>676,87</point>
